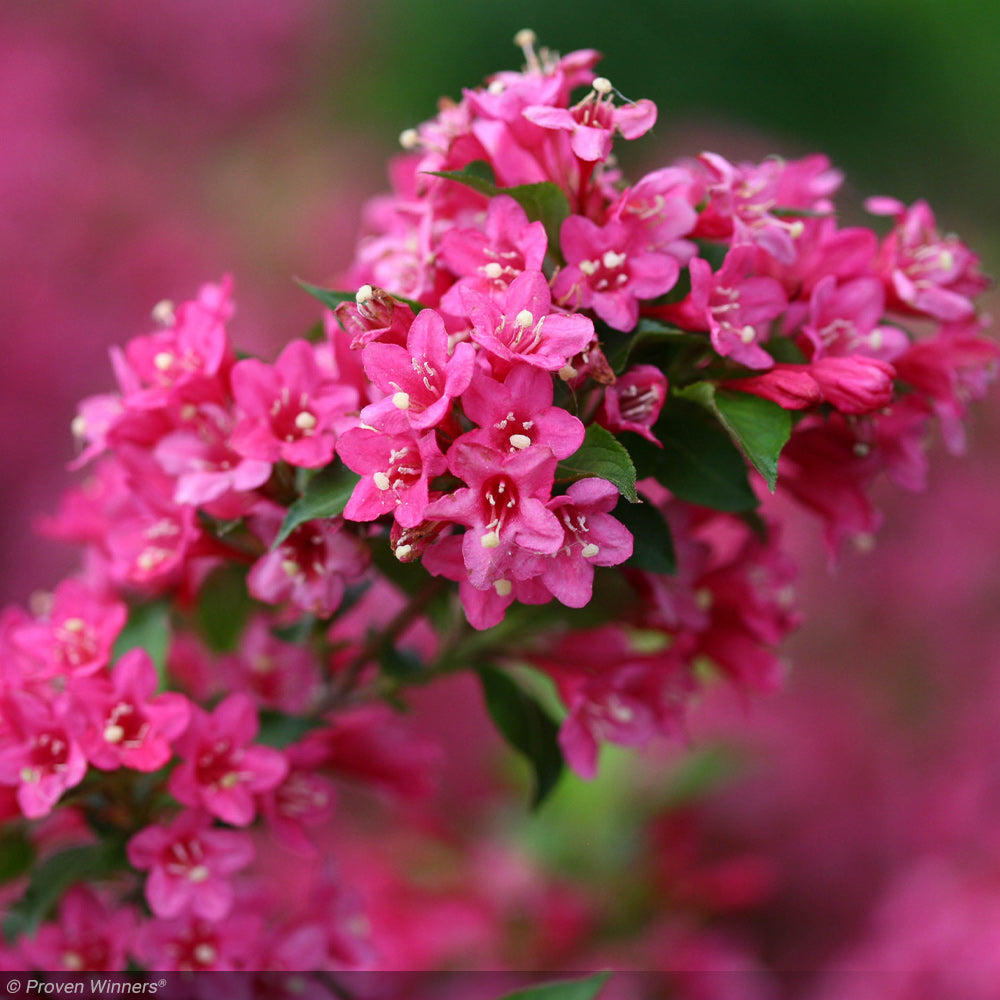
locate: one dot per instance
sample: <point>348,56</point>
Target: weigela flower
<point>40,752</point>
<point>503,505</point>
<point>634,401</point>
<point>421,380</point>
<point>221,769</point>
<point>524,328</point>
<point>593,122</point>
<point>609,269</point>
<point>291,410</point>
<point>189,861</point>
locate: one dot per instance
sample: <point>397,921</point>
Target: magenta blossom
<point>291,410</point>
<point>188,863</point>
<point>131,727</point>
<point>524,328</point>
<point>421,380</point>
<point>221,769</point>
<point>634,401</point>
<point>593,122</point>
<point>610,268</point>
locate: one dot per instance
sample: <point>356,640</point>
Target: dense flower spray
<point>539,438</point>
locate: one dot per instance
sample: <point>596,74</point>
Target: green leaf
<point>543,202</point>
<point>278,730</point>
<point>698,462</point>
<point>604,456</point>
<point>326,495</point>
<point>223,607</point>
<point>477,175</point>
<point>563,989</point>
<point>653,545</point>
<point>649,333</point>
<point>526,726</point>
<point>17,853</point>
<point>759,426</point>
<point>546,203</point>
<point>51,879</point>
<point>148,628</point>
<point>330,298</point>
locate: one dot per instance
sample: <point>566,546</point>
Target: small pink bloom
<point>634,401</point>
<point>132,728</point>
<point>40,753</point>
<point>76,636</point>
<point>517,413</point>
<point>222,769</point>
<point>374,315</point>
<point>188,863</point>
<point>610,268</point>
<point>88,936</point>
<point>292,410</point>
<point>593,122</point>
<point>790,386</point>
<point>524,328</point>
<point>421,380</point>
<point>854,384</point>
<point>190,943</point>
<point>737,306</point>
<point>396,471</point>
<point>591,537</point>
<point>924,272</point>
<point>503,506</point>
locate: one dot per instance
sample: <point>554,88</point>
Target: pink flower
<point>523,327</point>
<point>593,122</point>
<point>610,268</point>
<point>790,386</point>
<point>40,753</point>
<point>89,935</point>
<point>503,506</point>
<point>311,567</point>
<point>131,728</point>
<point>190,943</point>
<point>634,401</point>
<point>856,384</point>
<point>924,272</point>
<point>421,380</point>
<point>222,770</point>
<point>488,259</point>
<point>396,471</point>
<point>76,636</point>
<point>188,863</point>
<point>736,306</point>
<point>517,413</point>
<point>591,537</point>
<point>291,410</point>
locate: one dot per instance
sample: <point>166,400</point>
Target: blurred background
<point>145,148</point>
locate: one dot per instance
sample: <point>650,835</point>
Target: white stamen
<point>567,372</point>
<point>305,421</point>
<point>612,259</point>
<point>382,481</point>
<point>590,550</point>
<point>747,334</point>
<point>402,551</point>
<point>492,269</point>
<point>163,313</point>
<point>163,360</point>
<point>491,540</point>
<point>114,734</point>
<point>524,318</point>
<point>364,294</point>
<point>205,954</point>
<point>79,426</point>
<point>199,873</point>
<point>502,587</point>
<point>401,400</point>
<point>589,267</point>
<point>525,37</point>
<point>602,85</point>
<point>520,441</point>
<point>409,138</point>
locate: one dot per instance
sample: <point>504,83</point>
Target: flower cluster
<point>550,427</point>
